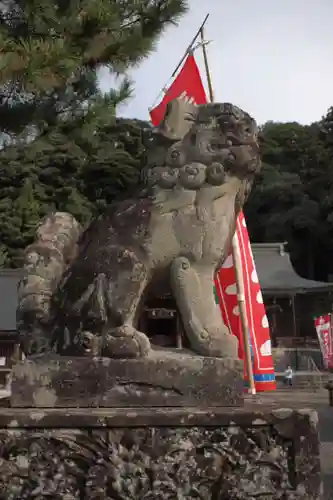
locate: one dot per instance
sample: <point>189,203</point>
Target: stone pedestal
<point>170,426</point>
<point>165,378</point>
<point>159,453</point>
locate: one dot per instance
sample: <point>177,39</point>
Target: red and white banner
<point>323,325</point>
<point>259,334</point>
<point>188,83</point>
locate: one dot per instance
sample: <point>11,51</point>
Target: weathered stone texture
<point>166,454</point>
<point>165,378</point>
<point>83,290</point>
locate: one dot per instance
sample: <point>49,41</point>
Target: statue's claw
<point>125,342</point>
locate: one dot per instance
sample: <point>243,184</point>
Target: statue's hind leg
<point>121,338</point>
<point>106,313</point>
<point>192,286</point>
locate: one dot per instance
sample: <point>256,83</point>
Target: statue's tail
<point>45,261</point>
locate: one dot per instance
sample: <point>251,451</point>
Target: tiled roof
<point>277,275</point>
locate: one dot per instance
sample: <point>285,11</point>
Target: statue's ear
<point>178,119</point>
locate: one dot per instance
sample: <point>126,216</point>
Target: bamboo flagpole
<point>235,254</point>
<point>186,53</point>
<point>190,46</point>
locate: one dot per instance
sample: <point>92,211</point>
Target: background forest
<point>63,146</point>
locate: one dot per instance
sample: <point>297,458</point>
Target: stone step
<point>305,380</point>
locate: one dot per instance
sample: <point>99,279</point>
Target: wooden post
<point>205,56</point>
<point>236,256</point>
<point>242,311</point>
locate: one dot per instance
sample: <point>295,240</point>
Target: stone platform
<point>159,453</point>
<point>164,378</point>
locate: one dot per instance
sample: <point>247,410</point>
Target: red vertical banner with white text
<point>323,325</point>
<point>188,83</point>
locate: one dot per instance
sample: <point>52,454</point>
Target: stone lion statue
<point>84,290</point>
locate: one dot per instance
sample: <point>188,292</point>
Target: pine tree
<point>115,161</point>
<point>51,51</point>
<point>46,43</point>
<point>65,148</point>
<point>18,220</point>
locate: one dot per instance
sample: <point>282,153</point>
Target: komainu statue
<point>84,289</point>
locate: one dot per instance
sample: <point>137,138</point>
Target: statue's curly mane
<point>214,143</point>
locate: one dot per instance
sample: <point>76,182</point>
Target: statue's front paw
<point>213,341</point>
<point>221,346</point>
<point>126,342</point>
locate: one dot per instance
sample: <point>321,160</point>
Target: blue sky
<point>273,58</point>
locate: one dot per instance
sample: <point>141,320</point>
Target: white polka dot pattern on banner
<point>254,276</point>
<point>266,348</point>
<point>228,263</point>
<point>255,308</point>
<point>235,311</point>
<point>231,289</point>
<point>260,299</point>
<point>264,322</point>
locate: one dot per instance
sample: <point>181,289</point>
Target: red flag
<point>189,84</point>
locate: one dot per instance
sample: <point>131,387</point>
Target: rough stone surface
<point>165,378</point>
<point>161,454</point>
<point>83,290</point>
